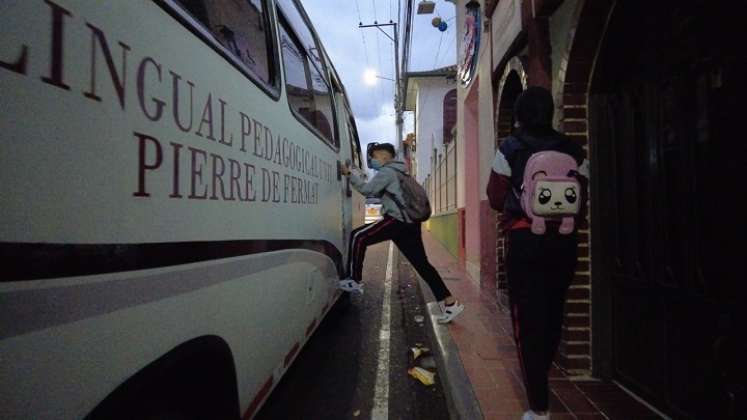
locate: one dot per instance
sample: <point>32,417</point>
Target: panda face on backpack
<point>551,191</point>
<point>555,198</point>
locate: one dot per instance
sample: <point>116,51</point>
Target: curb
<point>461,399</point>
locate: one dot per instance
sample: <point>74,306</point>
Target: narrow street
<point>181,180</point>
<point>335,375</point>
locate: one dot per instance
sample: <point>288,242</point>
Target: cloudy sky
<point>354,50</point>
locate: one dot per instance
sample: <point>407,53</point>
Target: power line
<point>451,44</point>
<point>409,29</point>
<point>438,50</point>
<point>378,52</point>
<point>363,36</point>
<point>378,56</point>
<point>397,81</point>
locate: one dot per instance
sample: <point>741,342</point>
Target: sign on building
<point>470,43</point>
<point>506,26</point>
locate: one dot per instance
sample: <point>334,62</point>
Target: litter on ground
<point>424,376</point>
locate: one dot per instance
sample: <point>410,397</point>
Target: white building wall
<point>461,95</point>
<point>429,118</point>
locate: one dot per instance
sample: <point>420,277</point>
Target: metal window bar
<point>441,183</point>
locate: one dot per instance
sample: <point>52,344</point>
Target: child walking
<point>539,267</point>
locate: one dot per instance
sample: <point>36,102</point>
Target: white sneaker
<point>531,415</point>
<point>449,312</point>
<point>350,285</point>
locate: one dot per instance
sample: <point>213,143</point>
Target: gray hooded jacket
<point>385,180</point>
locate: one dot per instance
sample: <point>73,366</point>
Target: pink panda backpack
<point>550,190</point>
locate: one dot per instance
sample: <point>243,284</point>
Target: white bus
<point>172,217</point>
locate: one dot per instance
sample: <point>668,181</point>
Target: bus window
<point>299,95</point>
<point>241,27</point>
<point>323,117</point>
<point>308,89</point>
<point>355,148</point>
<point>295,20</point>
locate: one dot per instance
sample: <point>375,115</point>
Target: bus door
<point>352,202</point>
<point>357,201</point>
<point>344,157</point>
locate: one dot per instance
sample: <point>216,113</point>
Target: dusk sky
<point>336,21</point>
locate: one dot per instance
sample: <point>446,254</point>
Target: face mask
<point>375,164</point>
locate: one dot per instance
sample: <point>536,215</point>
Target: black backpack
<point>417,207</point>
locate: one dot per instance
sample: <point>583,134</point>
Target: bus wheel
<point>196,380</point>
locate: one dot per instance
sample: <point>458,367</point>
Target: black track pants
<point>539,269</point>
<point>408,238</point>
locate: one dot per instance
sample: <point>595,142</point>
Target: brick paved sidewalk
<point>483,334</point>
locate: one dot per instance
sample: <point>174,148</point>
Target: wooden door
<point>666,109</point>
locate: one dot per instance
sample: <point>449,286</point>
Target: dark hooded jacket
<point>504,191</point>
<point>533,110</point>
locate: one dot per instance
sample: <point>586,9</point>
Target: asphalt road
<point>334,376</point>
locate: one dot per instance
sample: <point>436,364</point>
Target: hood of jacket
<point>551,140</point>
<point>396,164</point>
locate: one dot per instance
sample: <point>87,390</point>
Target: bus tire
<point>195,380</point>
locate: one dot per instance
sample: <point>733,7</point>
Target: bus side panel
<point>128,129</point>
<point>64,367</point>
<point>94,154</point>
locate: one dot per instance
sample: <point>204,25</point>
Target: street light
<point>370,76</point>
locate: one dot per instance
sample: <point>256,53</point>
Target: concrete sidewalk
<point>480,363</point>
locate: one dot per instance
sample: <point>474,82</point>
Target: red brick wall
<point>503,130</point>
<point>488,239</point>
<point>574,354</point>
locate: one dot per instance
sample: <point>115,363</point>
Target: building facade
<point>432,96</point>
<point>651,90</point>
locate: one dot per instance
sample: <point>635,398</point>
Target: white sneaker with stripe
<point>350,285</point>
<point>449,312</point>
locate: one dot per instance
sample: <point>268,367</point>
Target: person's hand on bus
<point>345,169</point>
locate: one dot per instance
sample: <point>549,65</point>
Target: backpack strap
<point>398,170</point>
<point>531,150</point>
<point>400,206</point>
<point>522,141</point>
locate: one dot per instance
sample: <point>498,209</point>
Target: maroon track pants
<point>408,238</point>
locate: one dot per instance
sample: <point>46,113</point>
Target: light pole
<point>397,80</point>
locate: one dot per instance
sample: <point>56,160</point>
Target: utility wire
<point>451,44</point>
<point>378,56</point>
<point>451,41</point>
<point>378,49</point>
<point>363,35</point>
<point>438,50</point>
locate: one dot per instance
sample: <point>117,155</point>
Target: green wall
<point>444,229</point>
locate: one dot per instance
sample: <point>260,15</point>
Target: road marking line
<point>380,409</point>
